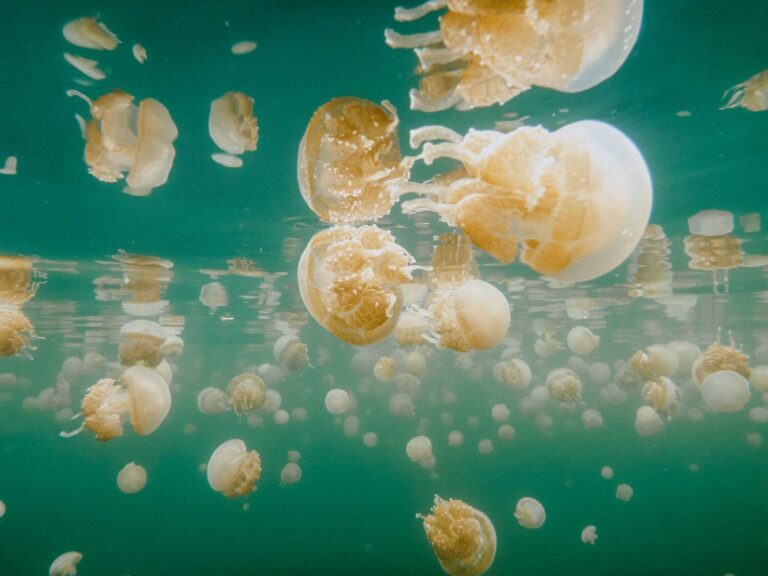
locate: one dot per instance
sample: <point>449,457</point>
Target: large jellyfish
<point>15,331</point>
<point>233,470</point>
<point>718,357</point>
<point>751,94</point>
<point>574,202</point>
<point>140,394</point>
<point>463,538</point>
<point>488,52</point>
<point>348,159</point>
<point>349,279</point>
<point>725,391</point>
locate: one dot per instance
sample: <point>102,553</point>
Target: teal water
<point>700,502</point>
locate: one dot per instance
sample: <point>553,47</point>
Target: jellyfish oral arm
<point>410,14</point>
<point>395,40</point>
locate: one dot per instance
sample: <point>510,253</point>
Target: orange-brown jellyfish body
<point>752,94</point>
<point>718,357</point>
<point>349,280</point>
<point>463,538</point>
<point>15,331</point>
<point>231,123</point>
<point>246,393</point>
<point>17,284</point>
<point>141,341</point>
<point>234,470</point>
<point>348,159</point>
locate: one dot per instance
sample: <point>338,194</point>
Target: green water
<point>353,511</point>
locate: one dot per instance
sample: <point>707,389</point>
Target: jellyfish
<point>141,341</point>
<point>514,372</point>
<point>233,470</point>
<point>573,202</point>
<point>15,331</point>
<point>231,123</point>
<point>243,47</point>
<point>547,345</point>
<point>214,296</point>
<point>506,432</point>
<point>582,341</point>
<point>725,391</point>
<point>647,421</point>
<point>132,478</point>
<point>349,281</point>
<point>718,357</point>
<point>246,393</point>
<point>290,474</point>
<point>500,412</point>
<point>337,401</point>
<point>419,450</point>
<point>606,472</point>
<point>370,439</point>
<point>564,385</point>
<point>463,538</point>
<point>645,366</point>
<point>17,286</point>
<point>290,352</point>
<point>662,395</point>
<point>530,513</point>
<point>591,418</point>
<point>66,564</point>
<point>624,492</point>
<point>711,246</point>
<point>411,328</point>
<point>385,369</point>
<point>88,32</point>
<point>140,394</point>
<point>211,400</point>
<point>348,160</point>
<point>489,52</point>
<point>122,137</point>
<point>759,377</point>
<point>649,270</point>
<point>589,534</point>
<point>752,94</point>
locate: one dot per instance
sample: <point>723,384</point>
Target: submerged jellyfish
<point>246,393</point>
<point>65,565</point>
<point>582,341</point>
<point>231,123</point>
<point>514,372</point>
<point>717,358</point>
<point>624,492</point>
<point>233,470</point>
<point>290,474</point>
<point>141,341</point>
<point>752,94</point>
<point>489,52</point>
<point>574,202</point>
<point>725,391</point>
<point>530,513</point>
<point>564,385</point>
<point>140,394</point>
<point>290,352</point>
<point>647,421</point>
<point>349,280</point>
<point>132,478</point>
<point>463,538</point>
<point>589,534</point>
<point>348,160</point>
<point>122,137</point>
<point>88,32</point>
<point>16,281</point>
<point>15,331</point>
<point>662,394</point>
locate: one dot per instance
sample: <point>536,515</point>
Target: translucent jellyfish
<point>140,395</point>
<point>547,345</point>
<point>337,401</point>
<point>415,363</point>
<point>349,281</point>
<point>419,450</point>
<point>592,418</point>
<point>506,432</point>
<point>500,412</point>
<point>290,474</point>
<point>530,513</point>
<point>599,372</point>
<point>711,246</point>
<point>246,393</point>
<point>648,422</point>
<point>514,372</point>
<point>141,341</point>
<point>606,472</point>
<point>15,331</point>
<point>577,200</point>
<point>624,492</point>
<point>281,417</point>
<point>649,270</point>
<point>348,160</point>
<point>463,538</point>
<point>725,391</point>
<point>17,284</point>
<point>211,400</point>
<point>10,166</point>
<point>370,439</point>
<point>124,138</point>
<point>755,440</point>
<point>233,470</point>
<point>662,395</point>
<point>214,296</point>
<point>231,123</point>
<point>759,377</point>
<point>752,94</point>
<point>291,353</point>
<point>401,404</point>
<point>687,353</point>
<point>411,328</point>
<point>718,357</point>
<point>643,367</point>
<point>88,32</point>
<point>564,385</point>
<point>489,52</point>
<point>455,438</point>
<point>139,53</point>
<point>132,478</point>
<point>385,369</point>
<point>759,415</point>
<point>2,508</point>
<point>485,446</point>
<point>589,534</point>
<point>65,565</point>
<point>243,47</point>
<point>581,340</point>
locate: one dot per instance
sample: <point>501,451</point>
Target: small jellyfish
<point>88,32</point>
<point>370,439</point>
<point>500,412</point>
<point>648,422</point>
<point>662,395</point>
<point>140,394</point>
<point>385,369</point>
<point>65,565</point>
<point>122,137</point>
<point>530,513</point>
<point>349,281</point>
<point>2,508</point>
<point>463,538</point>
<point>649,270</point>
<point>233,470</point>
<point>243,47</point>
<point>485,446</point>
<point>514,372</point>
<point>606,472</point>
<point>455,438</point>
<point>645,366</point>
<point>349,159</point>
<point>506,432</point>
<point>290,474</point>
<point>337,401</point>
<point>132,478</point>
<point>15,331</point>
<point>592,418</point>
<point>211,400</point>
<point>759,377</point>
<point>214,296</point>
<point>139,53</point>
<point>231,123</point>
<point>582,341</point>
<point>711,246</point>
<point>290,352</point>
<point>564,385</point>
<point>576,200</point>
<point>589,534</point>
<point>752,94</point>
<point>489,52</point>
<point>246,393</point>
<point>725,391</point>
<point>624,492</point>
<point>141,341</point>
<point>419,450</point>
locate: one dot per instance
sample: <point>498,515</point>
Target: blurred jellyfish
<point>273,401</point>
<point>411,328</point>
<point>759,377</point>
<point>599,372</point>
<point>725,391</point>
<point>233,470</point>
<point>489,52</point>
<point>15,332</point>
<point>246,393</point>
<point>649,270</point>
<point>291,353</point>
<point>577,199</point>
<point>506,432</point>
<point>662,394</point>
<point>582,341</point>
<point>17,285</point>
<point>592,418</point>
<point>751,94</point>
<point>463,538</point>
<point>281,417</point>
<point>65,565</point>
<point>514,372</point>
<point>485,446</point>
<point>351,426</point>
<point>500,412</point>
<point>2,509</point>
<point>564,385</point>
<point>419,450</point>
<point>132,478</point>
<point>759,415</point>
<point>647,421</point>
<point>231,123</point>
<point>337,401</point>
<point>414,362</point>
<point>212,400</point>
<point>140,394</point>
<point>641,368</point>
<point>141,341</point>
<point>606,472</point>
<point>349,282</point>
<point>624,492</point>
<point>589,534</point>
<point>530,513</point>
<point>401,404</point>
<point>455,438</point>
<point>370,439</point>
<point>385,369</point>
<point>290,474</point>
<point>687,353</point>
<point>214,296</point>
<point>755,440</point>
<point>547,345</point>
<point>348,160</point>
<point>88,32</point>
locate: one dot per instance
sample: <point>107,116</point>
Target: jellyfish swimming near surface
<point>348,160</point>
<point>17,285</point>
<point>487,53</point>
<point>349,280</point>
<point>66,564</point>
<point>234,470</point>
<point>530,513</point>
<point>463,538</point>
<point>572,203</point>
<point>16,330</point>
<point>718,357</point>
<point>751,94</point>
<point>142,341</point>
<point>232,125</point>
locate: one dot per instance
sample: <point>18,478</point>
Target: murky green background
<point>353,512</point>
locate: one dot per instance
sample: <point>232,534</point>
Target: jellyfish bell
<point>725,391</point>
<point>662,394</point>
<point>530,513</point>
<point>16,330</point>
<point>141,341</point>
<point>65,565</point>
<point>233,470</point>
<point>211,400</point>
<point>290,352</point>
<point>648,422</point>
<point>17,285</point>
<point>751,94</point>
<point>246,393</point>
<point>88,32</point>
<point>589,534</point>
<point>337,401</point>
<point>564,385</point>
<point>463,538</point>
<point>290,474</point>
<point>514,372</point>
<point>719,357</point>
<point>231,123</point>
<point>582,341</point>
<point>132,478</point>
<point>624,492</point>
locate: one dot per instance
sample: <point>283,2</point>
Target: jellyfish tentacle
<point>395,40</point>
<point>425,133</point>
<point>72,433</point>
<point>403,14</point>
<point>455,151</point>
<point>422,103</point>
<point>735,95</point>
<point>431,57</point>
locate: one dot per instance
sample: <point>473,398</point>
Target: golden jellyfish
<point>589,534</point>
<point>233,470</point>
<point>231,123</point>
<point>122,137</point>
<point>711,246</point>
<point>463,538</point>
<point>514,372</point>
<point>385,369</point>
<point>141,341</point>
<point>349,280</point>
<point>17,284</point>
<point>759,377</point>
<point>132,478</point>
<point>725,391</point>
<point>140,395</point>
<point>662,395</point>
<point>530,513</point>
<point>592,418</point>
<point>246,393</point>
<point>645,366</point>
<point>419,450</point>
<point>65,565</point>
<point>290,474</point>
<point>606,472</point>
<point>574,202</point>
<point>348,160</point>
<point>290,352</point>
<point>489,52</point>
<point>564,385</point>
<point>647,421</point>
<point>718,357</point>
<point>624,492</point>
<point>15,331</point>
<point>581,340</point>
<point>88,32</point>
<point>2,508</point>
<point>751,94</point>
